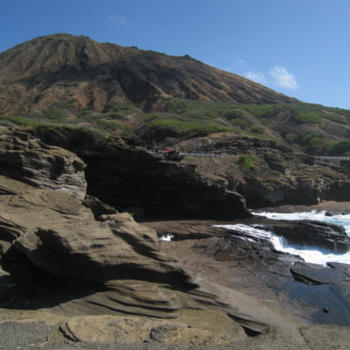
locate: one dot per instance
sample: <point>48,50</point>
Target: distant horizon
<point>300,49</point>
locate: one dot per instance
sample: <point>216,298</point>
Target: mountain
<point>62,66</point>
<point>150,97</point>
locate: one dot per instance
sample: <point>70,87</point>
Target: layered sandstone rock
<point>29,160</point>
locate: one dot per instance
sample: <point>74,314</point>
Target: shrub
<point>291,138</point>
<point>257,129</point>
<point>246,161</point>
<point>313,143</point>
<point>337,148</point>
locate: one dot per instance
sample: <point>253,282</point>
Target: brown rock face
<point>132,330</point>
<point>63,67</point>
<point>50,241</point>
<point>75,246</point>
<point>27,159</point>
<point>275,175</point>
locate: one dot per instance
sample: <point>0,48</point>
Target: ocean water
<point>308,253</point>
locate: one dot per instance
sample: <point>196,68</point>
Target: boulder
<point>25,158</point>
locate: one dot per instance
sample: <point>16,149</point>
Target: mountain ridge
<point>105,72</point>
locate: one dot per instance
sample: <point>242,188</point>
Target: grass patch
<point>338,119</point>
<point>201,110</point>
<point>246,161</point>
<point>22,121</point>
<point>158,126</point>
<point>257,129</point>
<point>308,117</point>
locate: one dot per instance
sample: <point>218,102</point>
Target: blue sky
<point>297,47</point>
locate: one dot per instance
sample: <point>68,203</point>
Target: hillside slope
<point>154,99</point>
<point>65,67</point>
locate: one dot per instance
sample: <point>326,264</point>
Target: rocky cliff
<point>83,273</point>
<point>31,161</point>
<point>268,174</point>
<point>134,178</point>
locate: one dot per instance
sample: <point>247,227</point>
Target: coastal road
<point>235,155</point>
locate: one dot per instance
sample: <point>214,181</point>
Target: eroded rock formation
<point>29,160</point>
<point>99,275</point>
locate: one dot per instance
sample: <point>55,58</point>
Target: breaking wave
<point>309,254</point>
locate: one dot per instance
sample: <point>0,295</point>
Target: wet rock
<point>345,268</point>
<point>317,274</point>
<point>312,233</point>
<point>329,288</point>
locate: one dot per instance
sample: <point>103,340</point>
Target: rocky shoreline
<point>77,273</point>
<point>331,207</point>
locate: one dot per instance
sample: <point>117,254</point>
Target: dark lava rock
<point>340,266</point>
<point>312,233</point>
<point>325,287</point>
<point>127,176</point>
<point>317,274</point>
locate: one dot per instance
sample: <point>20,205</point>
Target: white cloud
<point>282,78</point>
<point>277,76</point>
<point>258,77</point>
<point>116,19</point>
<point>240,61</point>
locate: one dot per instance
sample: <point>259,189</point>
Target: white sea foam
<point>309,254</point>
<point>167,237</point>
<point>338,219</point>
<point>248,230</point>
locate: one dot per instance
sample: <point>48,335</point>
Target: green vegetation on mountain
<point>246,161</point>
<point>68,81</point>
<point>312,128</point>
